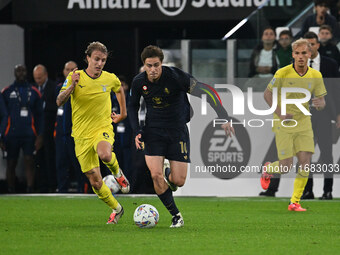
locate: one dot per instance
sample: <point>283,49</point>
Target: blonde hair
<point>300,42</point>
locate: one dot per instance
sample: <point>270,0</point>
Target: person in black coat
<point>46,156</point>
<point>322,120</point>
<point>320,17</point>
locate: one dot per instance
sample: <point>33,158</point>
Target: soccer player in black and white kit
<point>165,134</point>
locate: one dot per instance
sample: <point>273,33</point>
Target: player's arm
<point>64,95</point>
<point>320,91</point>
<point>268,97</point>
<point>133,109</point>
<point>197,89</point>
<point>122,106</point>
<point>3,117</point>
<point>319,103</point>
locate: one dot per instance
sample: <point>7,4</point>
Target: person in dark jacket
<point>25,126</point>
<point>46,156</point>
<point>319,18</point>
<point>3,122</point>
<point>263,61</point>
<point>327,46</point>
<point>65,154</point>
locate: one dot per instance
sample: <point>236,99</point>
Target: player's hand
<point>38,142</point>
<point>138,142</point>
<point>318,103</point>
<point>288,116</point>
<point>75,77</point>
<point>229,129</point>
<point>2,145</point>
<point>338,121</point>
<point>116,118</point>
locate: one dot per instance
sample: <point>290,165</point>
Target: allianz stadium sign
<point>138,10</point>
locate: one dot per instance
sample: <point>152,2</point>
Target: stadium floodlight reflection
<point>242,22</point>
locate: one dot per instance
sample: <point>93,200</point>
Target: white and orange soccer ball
<point>111,182</point>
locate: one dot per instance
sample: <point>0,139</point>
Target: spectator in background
<point>65,154</point>
<point>46,156</point>
<point>284,52</point>
<point>322,120</point>
<point>319,18</point>
<point>327,46</point>
<point>3,123</point>
<point>25,125</point>
<point>264,62</point>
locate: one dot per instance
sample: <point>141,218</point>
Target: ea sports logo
<point>171,7</point>
<point>225,155</point>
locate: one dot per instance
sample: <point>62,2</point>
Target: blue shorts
<point>14,144</point>
<point>172,143</point>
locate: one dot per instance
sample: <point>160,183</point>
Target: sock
<point>273,168</point>
<point>299,185</point>
<point>104,193</point>
<point>113,166</point>
<point>169,202</point>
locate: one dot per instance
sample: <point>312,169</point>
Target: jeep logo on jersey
<point>171,7</point>
<point>229,153</point>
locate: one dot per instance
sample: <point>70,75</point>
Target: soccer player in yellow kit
<point>295,137</point>
<point>92,129</point>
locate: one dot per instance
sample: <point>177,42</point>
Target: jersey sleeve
<point>275,82</point>
<point>319,89</point>
<point>66,83</point>
<point>133,106</point>
<point>116,84</point>
<point>182,78</point>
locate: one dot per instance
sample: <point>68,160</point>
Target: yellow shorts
<point>288,144</point>
<point>86,149</point>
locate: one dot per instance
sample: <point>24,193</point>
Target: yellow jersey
<point>287,77</point>
<point>91,103</point>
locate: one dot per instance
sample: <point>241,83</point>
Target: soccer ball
<point>146,216</point>
<point>111,182</point>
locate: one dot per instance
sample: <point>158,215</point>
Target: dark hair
<point>269,27</point>
<point>311,35</point>
<point>95,46</point>
<point>321,2</point>
<point>286,32</point>
<point>326,27</point>
<point>152,51</point>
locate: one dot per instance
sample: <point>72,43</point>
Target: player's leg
<point>178,152</point>
<point>304,147</point>
<point>28,149</point>
<point>89,163</point>
<point>178,172</point>
<point>104,193</point>
<point>285,152</point>
<point>300,180</point>
<point>103,147</point>
<point>155,165</point>
<point>13,149</point>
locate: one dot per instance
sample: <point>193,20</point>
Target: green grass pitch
<point>77,225</point>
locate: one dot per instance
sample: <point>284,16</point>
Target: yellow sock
<point>299,185</point>
<point>273,168</point>
<point>113,165</point>
<point>106,196</point>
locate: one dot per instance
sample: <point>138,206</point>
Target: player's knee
<point>178,180</point>
<point>157,176</point>
<point>96,184</point>
<point>105,156</point>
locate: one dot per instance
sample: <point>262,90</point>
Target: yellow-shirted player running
<point>92,124</point>
<point>295,137</point>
